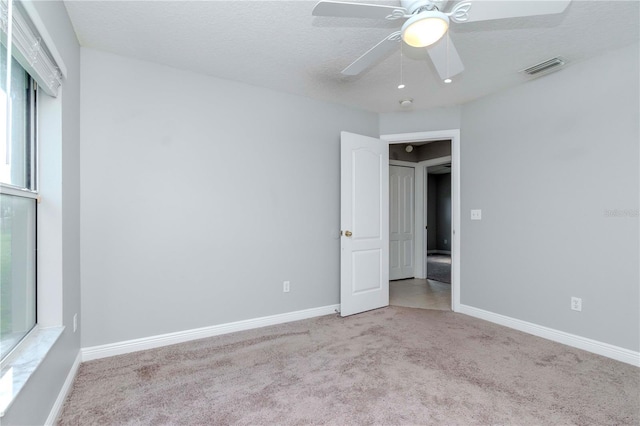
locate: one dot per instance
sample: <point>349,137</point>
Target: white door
<point>364,220</point>
<point>401,222</point>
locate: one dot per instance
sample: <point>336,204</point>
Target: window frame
<point>31,193</point>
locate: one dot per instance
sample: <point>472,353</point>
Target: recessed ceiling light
<point>447,80</point>
<point>401,86</point>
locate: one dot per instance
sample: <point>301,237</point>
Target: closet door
<point>401,222</point>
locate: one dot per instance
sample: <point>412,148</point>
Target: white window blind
<point>28,47</point>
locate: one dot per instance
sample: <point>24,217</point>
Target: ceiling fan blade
<point>486,10</point>
<point>373,55</point>
<point>445,58</point>
<point>358,10</point>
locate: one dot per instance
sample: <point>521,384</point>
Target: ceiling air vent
<point>545,67</point>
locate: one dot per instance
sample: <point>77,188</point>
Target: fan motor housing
<point>418,5</point>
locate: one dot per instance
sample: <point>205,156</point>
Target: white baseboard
<point>610,351</point>
<point>128,346</point>
<point>66,387</point>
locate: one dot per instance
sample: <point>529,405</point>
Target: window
<point>17,203</point>
<point>31,77</point>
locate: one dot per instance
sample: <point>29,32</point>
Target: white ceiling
<point>279,45</point>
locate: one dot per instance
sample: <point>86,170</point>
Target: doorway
<point>408,150</point>
<point>438,211</point>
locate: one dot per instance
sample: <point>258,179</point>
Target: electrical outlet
<point>576,304</point>
<point>476,214</point>
<point>286,286</point>
<point>75,322</point>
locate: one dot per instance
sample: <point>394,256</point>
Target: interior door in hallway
<point>401,222</point>
<point>364,206</point>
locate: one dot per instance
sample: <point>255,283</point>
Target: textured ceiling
<point>279,45</point>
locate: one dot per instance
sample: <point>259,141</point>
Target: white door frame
<point>454,136</point>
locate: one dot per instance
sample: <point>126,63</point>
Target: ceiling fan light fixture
<point>425,28</point>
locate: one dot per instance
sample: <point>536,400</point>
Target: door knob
<point>348,233</point>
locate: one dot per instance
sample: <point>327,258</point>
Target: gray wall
<point>34,403</point>
<point>444,211</point>
<point>176,233</point>
<point>545,161</point>
<point>432,213</point>
<point>420,121</point>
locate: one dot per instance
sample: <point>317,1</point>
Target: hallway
<point>439,267</point>
<point>420,293</point>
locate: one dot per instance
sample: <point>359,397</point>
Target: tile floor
<point>420,293</point>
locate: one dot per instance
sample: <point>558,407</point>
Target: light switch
<point>476,214</point>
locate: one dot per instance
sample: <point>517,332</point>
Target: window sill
<point>20,365</point>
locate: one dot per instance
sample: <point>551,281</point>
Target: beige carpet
<point>393,366</point>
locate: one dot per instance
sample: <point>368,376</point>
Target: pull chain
<point>448,79</point>
<point>401,85</point>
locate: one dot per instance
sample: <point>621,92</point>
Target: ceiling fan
<point>426,25</point>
